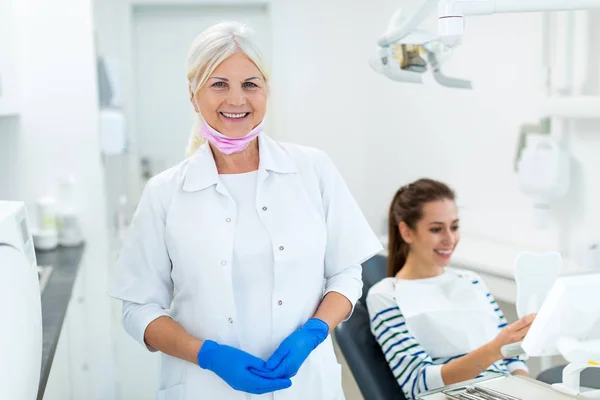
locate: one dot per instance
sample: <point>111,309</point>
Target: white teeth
<point>444,252</point>
<point>228,115</point>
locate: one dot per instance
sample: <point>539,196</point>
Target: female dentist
<point>241,259</point>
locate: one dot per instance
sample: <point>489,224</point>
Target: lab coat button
<point>228,220</point>
<point>280,302</point>
<point>264,208</point>
<point>230,320</point>
<point>223,262</point>
<point>281,248</point>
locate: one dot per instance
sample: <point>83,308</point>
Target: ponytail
<point>195,141</point>
<point>397,247</point>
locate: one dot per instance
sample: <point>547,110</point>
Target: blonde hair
<point>209,49</point>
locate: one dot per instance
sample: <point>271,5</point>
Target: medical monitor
<point>571,310</point>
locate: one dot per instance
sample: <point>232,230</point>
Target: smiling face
<point>234,99</point>
<point>435,235</point>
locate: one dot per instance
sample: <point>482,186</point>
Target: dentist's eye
<point>219,85</point>
<point>250,85</point>
<point>435,230</point>
<point>455,228</point>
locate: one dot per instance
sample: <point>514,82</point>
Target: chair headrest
<point>373,270</point>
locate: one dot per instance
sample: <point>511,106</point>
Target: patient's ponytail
<point>397,247</point>
<point>407,207</point>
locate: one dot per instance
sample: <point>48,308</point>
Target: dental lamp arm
<point>451,8</point>
<point>411,24</point>
<point>451,13</point>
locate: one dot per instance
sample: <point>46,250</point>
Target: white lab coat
<point>177,260</point>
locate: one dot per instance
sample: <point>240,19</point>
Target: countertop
<point>55,300</point>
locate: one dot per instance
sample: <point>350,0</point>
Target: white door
<point>161,40</point>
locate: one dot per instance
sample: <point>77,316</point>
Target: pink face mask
<point>227,144</point>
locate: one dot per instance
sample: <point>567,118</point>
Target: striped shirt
<point>415,370</point>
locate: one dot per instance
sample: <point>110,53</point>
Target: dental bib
<point>446,314</point>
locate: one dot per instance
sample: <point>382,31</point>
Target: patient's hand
<point>511,334</point>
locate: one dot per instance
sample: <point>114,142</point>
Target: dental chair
<point>373,270</point>
<point>361,351</point>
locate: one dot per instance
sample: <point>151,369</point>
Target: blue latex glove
<point>293,351</point>
<point>233,366</point>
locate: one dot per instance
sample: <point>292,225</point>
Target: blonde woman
<point>244,257</point>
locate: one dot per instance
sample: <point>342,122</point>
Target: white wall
<point>9,182</point>
<point>384,134</point>
<point>56,133</point>
<point>9,99</point>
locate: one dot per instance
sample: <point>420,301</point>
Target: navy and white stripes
<point>413,368</point>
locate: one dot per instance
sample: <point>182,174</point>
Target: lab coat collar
<point>202,173</point>
<point>273,157</point>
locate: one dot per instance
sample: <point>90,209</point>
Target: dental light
<point>405,53</point>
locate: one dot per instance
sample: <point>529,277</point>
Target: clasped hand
<point>247,373</point>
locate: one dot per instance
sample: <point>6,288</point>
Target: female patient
<point>436,325</point>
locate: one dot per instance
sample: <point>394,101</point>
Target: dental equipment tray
<point>498,387</point>
<point>474,392</point>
